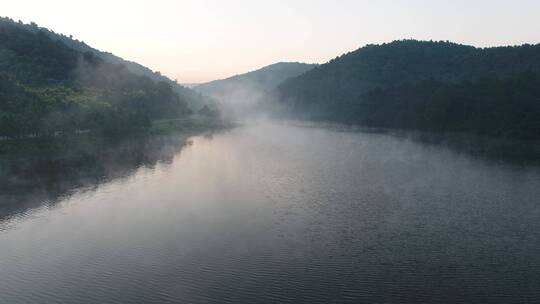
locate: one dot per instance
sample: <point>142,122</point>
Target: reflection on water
<point>275,213</point>
<point>34,176</point>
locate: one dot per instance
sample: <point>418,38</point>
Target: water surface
<point>271,213</point>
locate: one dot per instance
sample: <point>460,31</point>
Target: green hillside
<point>432,86</point>
<point>47,87</point>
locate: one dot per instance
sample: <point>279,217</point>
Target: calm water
<point>270,213</point>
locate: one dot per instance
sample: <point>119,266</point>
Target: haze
<point>198,41</point>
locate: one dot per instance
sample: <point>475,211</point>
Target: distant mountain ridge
<point>252,85</point>
<point>435,86</point>
<point>268,77</point>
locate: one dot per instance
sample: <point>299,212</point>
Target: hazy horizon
<point>201,41</point>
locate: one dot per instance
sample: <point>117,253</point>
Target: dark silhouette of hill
<point>431,86</point>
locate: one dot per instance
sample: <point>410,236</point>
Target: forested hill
<point>194,99</point>
<point>433,86</point>
<point>251,85</point>
<point>47,87</point>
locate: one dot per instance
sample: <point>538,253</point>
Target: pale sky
<point>203,40</point>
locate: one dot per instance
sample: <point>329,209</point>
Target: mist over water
<point>274,213</point>
<point>253,94</point>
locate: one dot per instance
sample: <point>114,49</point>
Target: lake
<point>269,213</point>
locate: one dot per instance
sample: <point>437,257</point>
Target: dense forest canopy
<point>47,87</point>
<point>432,86</point>
<point>194,99</point>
